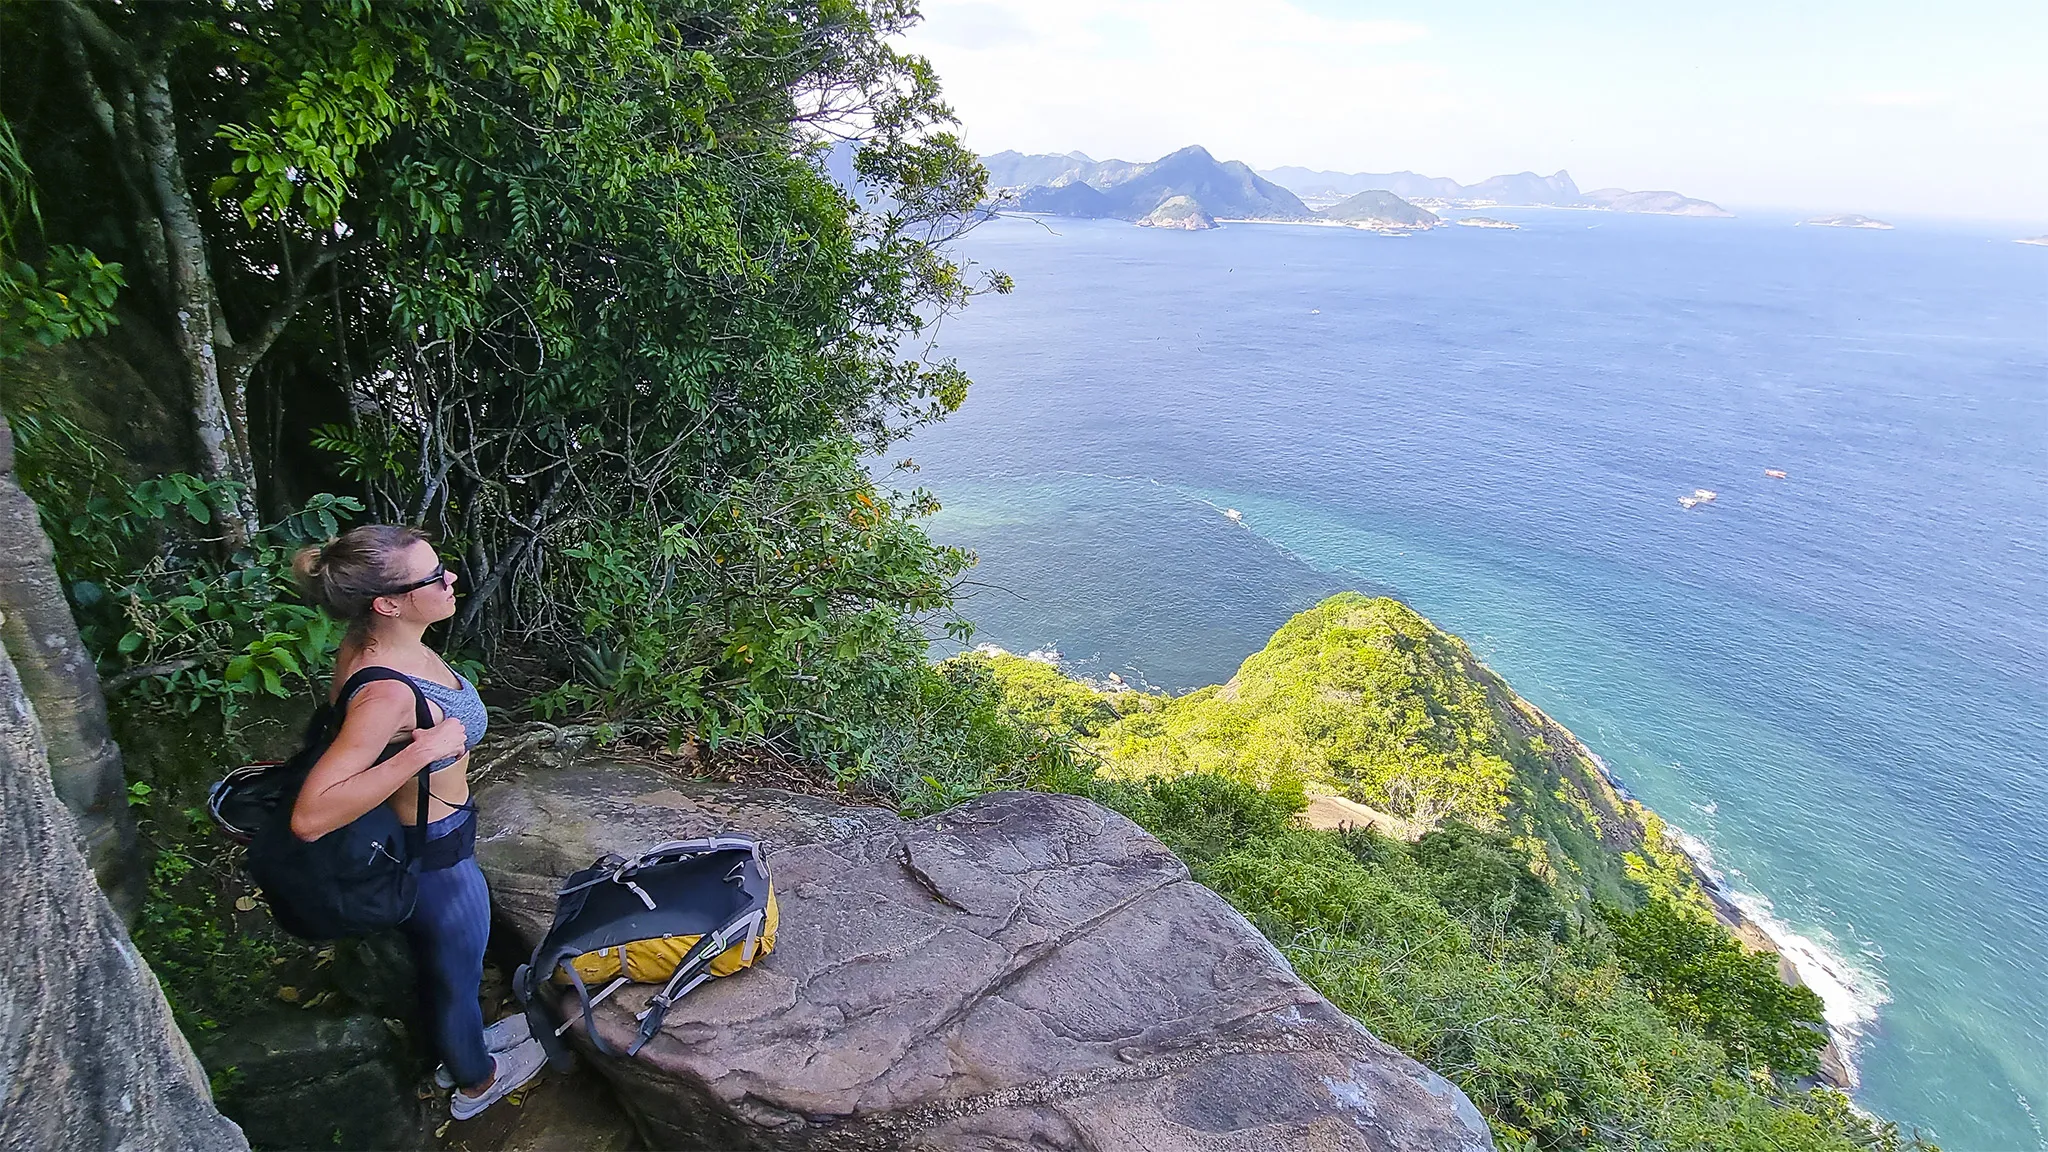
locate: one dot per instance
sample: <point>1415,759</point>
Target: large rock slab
<point>1027,971</point>
<point>298,1079</point>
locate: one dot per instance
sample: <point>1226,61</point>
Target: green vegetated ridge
<point>1537,941</point>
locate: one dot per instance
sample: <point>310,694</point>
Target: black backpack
<point>357,880</point>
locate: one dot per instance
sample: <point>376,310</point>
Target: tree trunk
<point>60,677</point>
<point>141,124</point>
<point>89,1055</point>
<point>192,296</point>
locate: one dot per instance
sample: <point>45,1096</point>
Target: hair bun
<point>309,565</point>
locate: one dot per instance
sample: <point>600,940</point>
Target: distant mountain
<point>1659,203</point>
<point>1019,170</point>
<point>1076,184</point>
<point>1221,188</point>
<point>1847,220</point>
<point>1178,212</point>
<point>1132,191</point>
<point>1523,188</point>
<point>1556,190</point>
<point>1079,200</point>
<point>2041,240</point>
<point>1380,209</point>
<point>1333,186</point>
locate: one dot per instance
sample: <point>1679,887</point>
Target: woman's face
<point>426,603</point>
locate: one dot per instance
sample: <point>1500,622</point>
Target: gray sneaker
<point>498,1037</point>
<point>516,1066</point>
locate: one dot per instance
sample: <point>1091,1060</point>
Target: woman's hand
<point>350,779</point>
<point>448,738</point>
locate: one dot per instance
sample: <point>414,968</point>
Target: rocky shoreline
<point>1836,1071</point>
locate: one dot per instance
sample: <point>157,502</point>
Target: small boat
<point>1688,501</point>
<point>1699,496</point>
<point>1775,473</point>
<point>1234,514</point>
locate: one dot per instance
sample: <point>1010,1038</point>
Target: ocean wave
<point>1046,655</point>
<point>1850,994</point>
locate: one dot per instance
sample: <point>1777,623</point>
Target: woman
<point>388,585</point>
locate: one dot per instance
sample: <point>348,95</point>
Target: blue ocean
<point>1835,682</point>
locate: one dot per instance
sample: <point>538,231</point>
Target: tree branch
<point>239,361</point>
<point>117,120</point>
<point>105,39</point>
<point>127,676</point>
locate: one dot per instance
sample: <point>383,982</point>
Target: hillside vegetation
<point>1539,943</point>
<point>1364,698</point>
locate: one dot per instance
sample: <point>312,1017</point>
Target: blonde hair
<point>348,572</point>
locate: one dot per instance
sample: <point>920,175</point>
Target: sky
<point>1875,106</point>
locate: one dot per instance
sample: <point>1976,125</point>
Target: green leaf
<point>129,643</point>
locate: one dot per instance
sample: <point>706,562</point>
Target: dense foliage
<point>569,284</point>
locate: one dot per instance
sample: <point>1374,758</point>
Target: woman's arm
<point>347,781</point>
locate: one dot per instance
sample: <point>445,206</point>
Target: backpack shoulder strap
<point>423,718</point>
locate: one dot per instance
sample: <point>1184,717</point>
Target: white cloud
<point>975,25</point>
<point>1749,103</point>
<point>1900,99</point>
<point>1257,82</point>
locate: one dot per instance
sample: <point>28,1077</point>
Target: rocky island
<point>1178,212</point>
<point>1381,211</point>
<point>1655,203</point>
<point>1848,220</point>
<point>2041,240</point>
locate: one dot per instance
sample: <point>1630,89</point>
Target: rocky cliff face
<point>89,1054</point>
<point>1026,971</point>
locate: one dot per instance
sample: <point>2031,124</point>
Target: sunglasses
<point>438,576</point>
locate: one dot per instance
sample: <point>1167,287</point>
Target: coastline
<point>1801,962</point>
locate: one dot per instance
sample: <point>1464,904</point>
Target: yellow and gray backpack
<point>676,914</point>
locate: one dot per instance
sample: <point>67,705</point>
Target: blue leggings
<point>448,929</point>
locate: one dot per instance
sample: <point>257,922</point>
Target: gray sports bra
<point>460,702</point>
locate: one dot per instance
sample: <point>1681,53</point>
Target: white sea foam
<point>1042,655</point>
<point>2033,1120</point>
<point>1850,994</point>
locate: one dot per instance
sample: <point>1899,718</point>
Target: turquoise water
<point>1833,682</point>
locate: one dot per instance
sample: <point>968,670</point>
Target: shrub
<point>1697,973</point>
